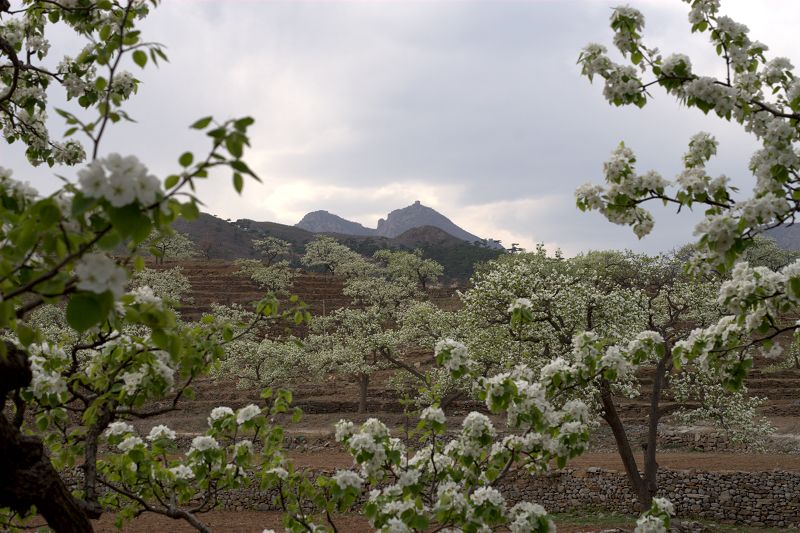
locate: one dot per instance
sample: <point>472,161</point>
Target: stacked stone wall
<point>750,498</point>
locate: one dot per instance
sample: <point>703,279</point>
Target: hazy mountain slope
<point>324,222</point>
<point>396,223</point>
<point>217,238</point>
<point>223,239</point>
<point>787,237</point>
<point>417,215</point>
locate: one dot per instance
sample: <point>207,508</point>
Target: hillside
<point>222,239</point>
<point>324,222</point>
<point>787,237</point>
<point>417,215</point>
<point>217,238</point>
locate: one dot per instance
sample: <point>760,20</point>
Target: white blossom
<point>347,478</point>
<point>129,443</point>
<point>246,413</point>
<point>650,524</point>
<point>218,413</point>
<point>98,273</point>
<point>182,472</point>
<point>202,443</point>
<point>489,495</point>
<point>280,472</point>
<point>344,429</point>
<point>433,414</point>
<point>119,428</point>
<point>161,432</point>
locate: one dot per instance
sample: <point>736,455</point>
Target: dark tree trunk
<point>653,419</point>
<point>26,475</point>
<point>611,416</point>
<point>644,485</point>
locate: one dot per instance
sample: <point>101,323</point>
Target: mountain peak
<point>416,215</point>
<point>396,223</point>
<point>323,222</point>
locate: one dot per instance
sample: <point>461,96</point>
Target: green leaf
<point>171,181</point>
<point>190,211</point>
<point>186,159</point>
<point>241,166</point>
<point>238,182</point>
<point>25,334</point>
<point>243,123</point>
<point>140,58</point>
<point>234,145</point>
<point>202,123</point>
<point>129,220</point>
<point>86,309</point>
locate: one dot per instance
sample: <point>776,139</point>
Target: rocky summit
<point>396,223</point>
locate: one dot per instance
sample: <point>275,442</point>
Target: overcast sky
<point>475,108</point>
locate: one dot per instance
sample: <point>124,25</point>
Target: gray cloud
<point>475,108</point>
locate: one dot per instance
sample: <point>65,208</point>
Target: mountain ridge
<point>322,221</point>
<point>396,223</point>
<point>218,238</point>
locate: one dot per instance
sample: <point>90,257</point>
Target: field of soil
<point>324,403</point>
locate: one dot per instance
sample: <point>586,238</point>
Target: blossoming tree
<point>125,348</point>
<point>763,96</point>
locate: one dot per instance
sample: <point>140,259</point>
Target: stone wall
<point>751,498</point>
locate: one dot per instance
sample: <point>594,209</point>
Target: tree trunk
<point>611,416</point>
<point>653,419</point>
<point>363,386</point>
<point>26,475</point>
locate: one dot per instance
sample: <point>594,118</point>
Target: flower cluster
<point>98,273</point>
<point>452,355</point>
<point>119,180</point>
<point>46,361</point>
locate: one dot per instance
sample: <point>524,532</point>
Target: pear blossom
<point>203,443</point>
<point>247,413</point>
<point>129,443</point>
<point>218,413</point>
<point>161,432</point>
<point>182,472</point>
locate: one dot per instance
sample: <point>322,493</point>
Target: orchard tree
<point>351,342</point>
<point>373,333</point>
<point>170,245</point>
<point>170,285</point>
<point>410,265</point>
<point>63,395</point>
<point>561,297</point>
<point>526,308</point>
<point>276,278</point>
<point>334,257</point>
<point>255,358</point>
<point>761,94</point>
<point>272,248</point>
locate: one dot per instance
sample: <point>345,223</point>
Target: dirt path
<point>252,522</point>
<point>219,522</point>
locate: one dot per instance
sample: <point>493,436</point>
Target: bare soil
<point>256,522</point>
<point>325,402</point>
